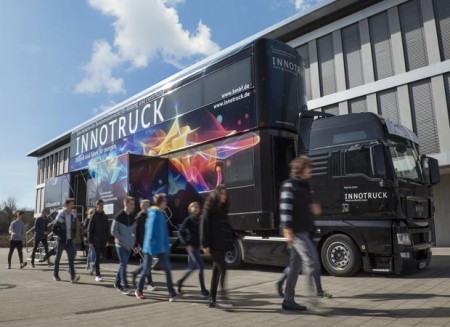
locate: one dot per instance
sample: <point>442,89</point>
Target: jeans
<point>15,245</point>
<point>140,270</point>
<point>164,260</point>
<point>195,262</point>
<point>124,256</point>
<point>219,270</point>
<point>99,254</point>
<point>36,244</point>
<point>317,280</point>
<point>70,250</point>
<point>304,257</point>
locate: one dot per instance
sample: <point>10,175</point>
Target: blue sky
<point>64,61</point>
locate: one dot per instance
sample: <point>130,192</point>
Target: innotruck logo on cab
<point>285,65</point>
<point>365,196</point>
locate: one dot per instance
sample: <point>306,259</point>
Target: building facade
<point>390,57</point>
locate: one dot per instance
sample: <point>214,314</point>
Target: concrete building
<point>391,57</point>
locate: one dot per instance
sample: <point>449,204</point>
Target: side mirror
<point>378,162</point>
<point>430,167</point>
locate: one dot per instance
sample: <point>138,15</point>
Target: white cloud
<point>99,71</point>
<point>144,31</point>
<point>299,4</point>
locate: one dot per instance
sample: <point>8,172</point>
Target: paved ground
<point>30,297</point>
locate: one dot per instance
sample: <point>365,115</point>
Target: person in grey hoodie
<point>123,230</point>
<point>17,231</point>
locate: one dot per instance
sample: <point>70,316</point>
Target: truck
<point>238,118</point>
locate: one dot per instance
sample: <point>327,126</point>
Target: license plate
<point>422,264</point>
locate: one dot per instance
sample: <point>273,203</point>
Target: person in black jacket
<point>40,235</point>
<point>64,228</point>
<point>190,236</point>
<point>140,232</point>
<point>296,204</point>
<point>217,238</point>
<point>98,236</point>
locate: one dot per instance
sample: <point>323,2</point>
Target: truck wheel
<point>340,256</point>
<point>233,258</point>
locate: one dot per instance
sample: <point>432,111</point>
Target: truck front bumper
<point>412,258</point>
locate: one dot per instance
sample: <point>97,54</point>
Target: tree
<point>8,212</point>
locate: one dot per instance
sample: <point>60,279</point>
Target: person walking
<point>40,235</point>
<point>156,243</point>
<point>190,237</point>
<point>98,236</point>
<point>217,238</point>
<point>320,292</point>
<point>296,204</point>
<point>65,229</point>
<point>123,229</point>
<point>17,232</point>
<point>140,232</point>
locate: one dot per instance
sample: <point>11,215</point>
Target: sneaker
<point>126,291</point>
<point>212,304</point>
<point>22,265</point>
<point>279,287</point>
<point>173,297</point>
<point>118,287</point>
<point>324,295</point>
<point>75,279</point>
<point>32,265</point>
<point>293,307</point>
<point>151,287</point>
<point>179,289</point>
<point>56,278</point>
<point>9,266</point>
<point>204,293</point>
<point>98,279</point>
<point>139,295</point>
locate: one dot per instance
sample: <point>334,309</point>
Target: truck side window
<point>358,162</point>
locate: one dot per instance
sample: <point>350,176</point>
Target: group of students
<point>147,235</point>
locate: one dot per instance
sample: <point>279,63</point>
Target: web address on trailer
<point>233,99</point>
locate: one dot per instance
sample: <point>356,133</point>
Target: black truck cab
<point>375,193</point>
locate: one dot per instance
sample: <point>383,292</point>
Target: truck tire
<point>340,256</point>
<point>233,258</point>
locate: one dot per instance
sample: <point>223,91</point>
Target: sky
<point>63,62</point>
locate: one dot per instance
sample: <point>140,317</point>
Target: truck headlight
<point>403,239</point>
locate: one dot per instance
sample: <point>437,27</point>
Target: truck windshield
<point>406,164</point>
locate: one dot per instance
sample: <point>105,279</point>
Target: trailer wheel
<point>233,258</point>
<point>340,256</point>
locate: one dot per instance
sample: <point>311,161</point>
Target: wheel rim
<point>338,256</point>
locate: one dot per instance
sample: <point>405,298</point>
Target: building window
<point>351,47</point>
<point>325,56</point>
<point>442,16</point>
<point>303,51</point>
<point>423,116</point>
<point>388,104</point>
<point>331,109</point>
<point>357,105</point>
<point>413,37</point>
<point>380,38</point>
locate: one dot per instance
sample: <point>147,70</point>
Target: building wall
<point>53,164</point>
<point>442,204</point>
<point>392,58</point>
